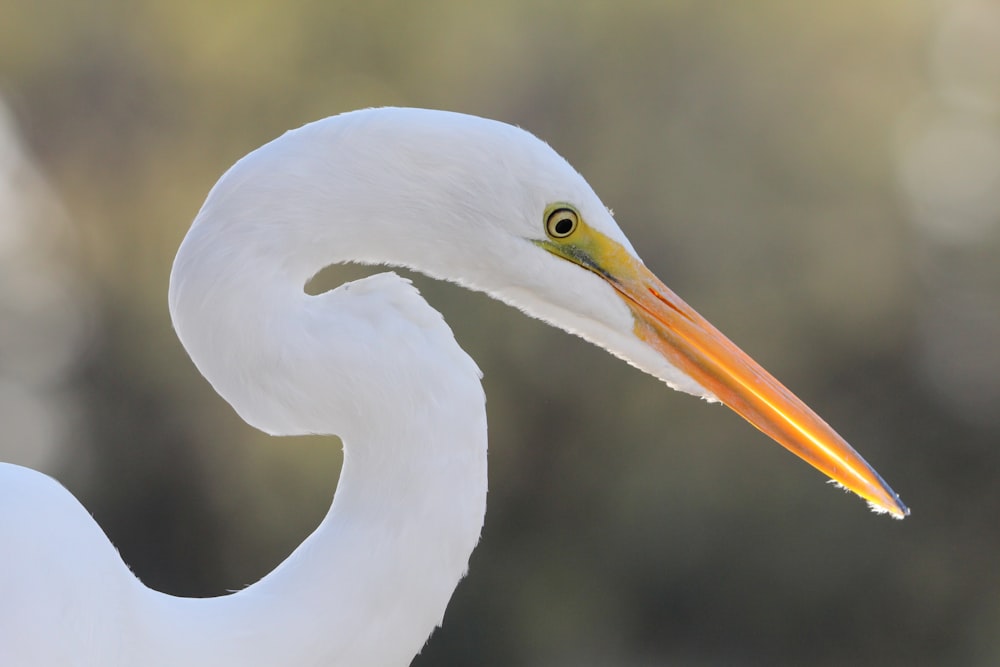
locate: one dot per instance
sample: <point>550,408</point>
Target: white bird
<point>457,197</point>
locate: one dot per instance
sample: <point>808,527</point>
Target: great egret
<point>457,197</point>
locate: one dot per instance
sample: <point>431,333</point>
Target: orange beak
<point>691,344</point>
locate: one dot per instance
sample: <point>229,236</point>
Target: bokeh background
<point>822,180</point>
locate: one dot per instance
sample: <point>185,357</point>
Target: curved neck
<point>372,582</point>
<point>369,361</point>
<point>366,588</point>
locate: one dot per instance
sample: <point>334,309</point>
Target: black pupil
<point>563,226</point>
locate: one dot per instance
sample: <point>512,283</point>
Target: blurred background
<point>821,181</point>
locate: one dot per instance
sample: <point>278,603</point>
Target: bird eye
<point>561,222</point>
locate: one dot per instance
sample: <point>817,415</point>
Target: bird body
<point>459,198</point>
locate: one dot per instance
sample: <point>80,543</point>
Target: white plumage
<point>459,198</point>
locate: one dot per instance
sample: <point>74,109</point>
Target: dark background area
<point>821,181</point>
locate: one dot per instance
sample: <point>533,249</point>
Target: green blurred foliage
<point>748,151</point>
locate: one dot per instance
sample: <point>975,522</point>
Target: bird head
<point>491,207</point>
<point>528,229</point>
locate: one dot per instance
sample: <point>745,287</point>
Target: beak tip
<point>904,511</point>
<point>897,510</point>
<point>880,499</point>
<point>889,501</point>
